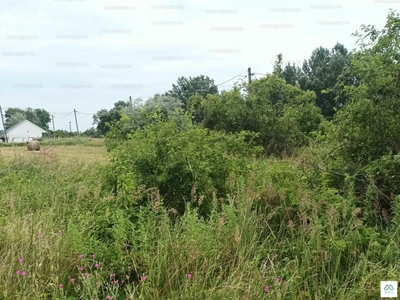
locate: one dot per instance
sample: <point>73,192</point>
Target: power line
<point>65,115</point>
<point>85,113</point>
<point>230,79</point>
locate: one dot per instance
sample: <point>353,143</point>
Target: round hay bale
<point>33,146</point>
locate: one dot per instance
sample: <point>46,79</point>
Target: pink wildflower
<point>94,255</point>
<point>97,283</point>
<point>109,297</point>
<point>189,276</point>
<point>21,260</point>
<point>23,273</point>
<point>18,272</point>
<point>81,256</point>
<point>60,232</point>
<point>96,265</point>
<point>60,286</point>
<point>81,268</point>
<point>115,281</point>
<point>72,280</point>
<point>266,288</point>
<point>87,275</point>
<point>277,279</point>
<point>112,275</point>
<point>144,278</point>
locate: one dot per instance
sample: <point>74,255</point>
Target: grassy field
<point>65,149</point>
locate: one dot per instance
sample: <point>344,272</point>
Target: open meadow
<point>65,149</point>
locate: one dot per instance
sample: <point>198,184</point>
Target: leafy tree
<point>365,132</point>
<point>104,118</point>
<point>278,66</point>
<point>14,119</point>
<point>367,127</point>
<point>44,118</point>
<point>38,116</point>
<point>320,74</point>
<point>291,73</point>
<point>31,115</point>
<point>92,132</point>
<point>185,88</point>
<point>283,115</point>
<point>12,111</point>
<point>167,104</point>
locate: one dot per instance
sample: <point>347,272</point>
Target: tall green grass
<point>273,231</point>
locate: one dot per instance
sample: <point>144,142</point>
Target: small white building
<point>24,131</point>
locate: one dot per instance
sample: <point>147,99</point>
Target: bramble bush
<point>185,162</point>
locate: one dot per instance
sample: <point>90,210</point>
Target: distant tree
<point>185,88</point>
<point>63,133</point>
<point>44,117</point>
<point>14,119</point>
<point>167,104</point>
<point>320,74</point>
<point>31,115</point>
<point>12,111</point>
<point>38,116</point>
<point>284,116</point>
<point>104,118</point>
<point>291,73</point>
<point>92,132</point>
<point>278,66</point>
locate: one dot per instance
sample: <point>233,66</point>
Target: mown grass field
<point>65,149</point>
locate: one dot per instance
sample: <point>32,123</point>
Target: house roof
<point>23,121</point>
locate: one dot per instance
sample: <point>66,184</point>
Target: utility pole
<point>76,121</point>
<point>54,128</point>
<point>70,131</point>
<point>130,101</point>
<point>4,126</point>
<point>249,74</point>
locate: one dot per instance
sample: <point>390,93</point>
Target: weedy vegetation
<point>248,194</point>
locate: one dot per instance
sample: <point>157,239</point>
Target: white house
<point>24,131</point>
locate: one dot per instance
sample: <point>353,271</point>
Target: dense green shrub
<point>284,116</point>
<point>183,161</point>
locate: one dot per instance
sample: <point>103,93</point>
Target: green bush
<point>185,162</point>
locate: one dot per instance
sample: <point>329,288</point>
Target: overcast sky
<point>62,55</point>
